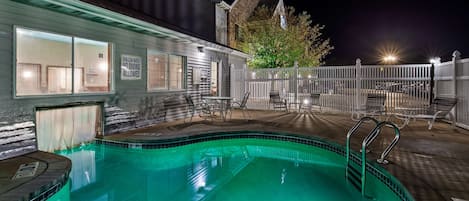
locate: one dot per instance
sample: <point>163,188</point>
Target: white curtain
<point>64,128</point>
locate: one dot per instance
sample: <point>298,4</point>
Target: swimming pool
<point>222,166</point>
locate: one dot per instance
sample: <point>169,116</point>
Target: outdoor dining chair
<point>242,106</point>
<point>205,110</point>
<point>310,102</point>
<point>277,102</point>
<point>374,106</point>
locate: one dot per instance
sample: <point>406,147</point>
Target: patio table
<point>224,104</point>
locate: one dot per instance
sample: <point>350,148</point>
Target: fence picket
<point>403,85</point>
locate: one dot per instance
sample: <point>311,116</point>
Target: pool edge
<point>377,171</point>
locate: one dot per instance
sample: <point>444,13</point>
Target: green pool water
<point>220,170</point>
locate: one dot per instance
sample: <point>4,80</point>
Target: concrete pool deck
<point>432,165</point>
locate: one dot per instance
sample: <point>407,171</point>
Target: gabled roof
<point>268,3</point>
<point>271,5</point>
<point>229,2</point>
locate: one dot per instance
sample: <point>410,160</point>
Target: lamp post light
<point>433,61</point>
<point>389,59</point>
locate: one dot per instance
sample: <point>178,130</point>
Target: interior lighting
<point>102,66</point>
<point>27,74</point>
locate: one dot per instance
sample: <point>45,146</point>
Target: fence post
<point>432,82</point>
<point>296,81</point>
<point>456,57</point>
<point>358,83</point>
<point>244,80</point>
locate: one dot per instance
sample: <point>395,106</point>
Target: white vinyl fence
<point>345,88</point>
<point>452,79</point>
<point>342,88</point>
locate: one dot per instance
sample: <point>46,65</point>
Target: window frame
<point>237,33</point>
<point>167,71</point>
<point>73,93</point>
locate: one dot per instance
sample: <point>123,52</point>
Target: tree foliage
<point>272,46</point>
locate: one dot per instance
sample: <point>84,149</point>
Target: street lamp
<point>390,59</point>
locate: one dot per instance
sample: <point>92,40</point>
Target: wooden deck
<point>433,165</point>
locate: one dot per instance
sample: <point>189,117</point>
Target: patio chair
<point>242,106</point>
<point>374,106</point>
<point>205,110</point>
<point>309,102</point>
<point>438,109</point>
<point>277,102</point>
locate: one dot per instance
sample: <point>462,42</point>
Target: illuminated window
<point>46,64</point>
<point>93,57</point>
<point>176,68</point>
<point>165,72</point>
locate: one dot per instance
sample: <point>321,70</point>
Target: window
<point>237,33</point>
<point>93,57</point>
<point>175,72</point>
<point>49,64</point>
<point>165,72</point>
<point>214,79</point>
<point>28,78</point>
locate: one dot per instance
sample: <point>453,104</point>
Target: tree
<point>272,46</point>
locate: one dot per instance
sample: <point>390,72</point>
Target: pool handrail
<point>365,143</point>
<point>368,140</point>
<point>351,132</point>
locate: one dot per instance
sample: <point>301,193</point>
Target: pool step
<point>354,177</point>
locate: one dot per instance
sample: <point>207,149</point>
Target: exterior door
<point>214,82</point>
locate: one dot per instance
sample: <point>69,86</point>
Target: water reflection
<point>194,172</point>
<point>83,168</point>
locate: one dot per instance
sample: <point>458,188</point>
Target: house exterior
<point>100,67</point>
<point>238,11</point>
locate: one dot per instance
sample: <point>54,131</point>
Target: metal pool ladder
<point>354,175</point>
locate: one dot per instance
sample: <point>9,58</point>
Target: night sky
<point>416,29</point>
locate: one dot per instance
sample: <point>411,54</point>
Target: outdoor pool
<point>228,167</point>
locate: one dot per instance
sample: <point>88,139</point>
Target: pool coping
<point>45,184</point>
<point>372,167</point>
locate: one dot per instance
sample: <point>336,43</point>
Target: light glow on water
<point>222,170</point>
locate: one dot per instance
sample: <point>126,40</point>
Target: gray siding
<point>236,63</point>
<point>225,70</point>
<point>130,96</point>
